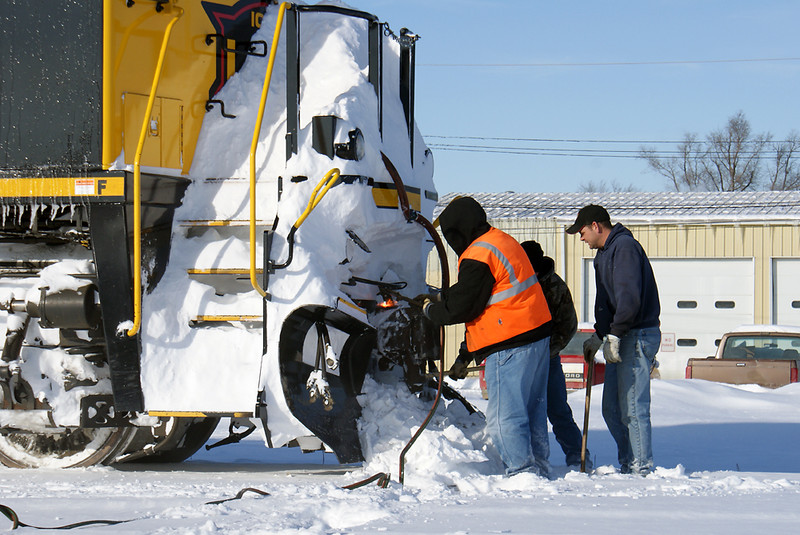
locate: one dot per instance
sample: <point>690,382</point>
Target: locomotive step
<point>224,227</point>
<point>224,280</point>
<point>221,223</point>
<point>207,319</point>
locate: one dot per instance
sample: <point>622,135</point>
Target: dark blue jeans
<point>567,433</point>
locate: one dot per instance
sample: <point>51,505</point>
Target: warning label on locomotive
<point>84,186</point>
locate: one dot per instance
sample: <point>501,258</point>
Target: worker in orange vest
<point>500,300</point>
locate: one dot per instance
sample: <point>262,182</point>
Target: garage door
<point>786,291</point>
<point>700,300</point>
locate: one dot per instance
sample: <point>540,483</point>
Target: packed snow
<point>724,454</point>
<point>181,365</point>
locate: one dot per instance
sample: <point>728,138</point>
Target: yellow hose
<point>327,182</point>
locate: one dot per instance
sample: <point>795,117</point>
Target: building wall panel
<point>759,241</point>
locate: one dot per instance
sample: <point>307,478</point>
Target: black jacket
<point>462,222</point>
<point>627,295</point>
<point>559,301</point>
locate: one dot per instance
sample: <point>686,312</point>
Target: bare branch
<point>730,159</point>
<point>784,170</point>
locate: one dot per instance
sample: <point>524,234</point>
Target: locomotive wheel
<point>73,447</point>
<point>173,441</point>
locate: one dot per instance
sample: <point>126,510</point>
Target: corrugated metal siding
<point>758,225</point>
<point>762,242</point>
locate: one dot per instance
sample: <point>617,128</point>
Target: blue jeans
<point>567,433</point>
<point>516,415</point>
<point>626,399</point>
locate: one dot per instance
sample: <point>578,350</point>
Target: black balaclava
<point>535,254</point>
<point>463,221</point>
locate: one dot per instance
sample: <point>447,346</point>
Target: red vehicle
<point>575,367</point>
<point>572,362</point>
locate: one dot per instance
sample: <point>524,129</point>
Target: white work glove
<point>426,304</point>
<point>590,347</point>
<point>611,349</point>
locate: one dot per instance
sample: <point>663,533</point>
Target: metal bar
<point>375,74</point>
<point>292,82</point>
<point>338,10</point>
<point>107,222</point>
<point>407,68</point>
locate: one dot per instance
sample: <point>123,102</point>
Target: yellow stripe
<point>218,222</point>
<point>221,271</point>
<point>186,414</point>
<point>384,198</point>
<point>107,186</point>
<point>228,317</point>
<point>415,200</point>
<point>196,414</point>
<point>352,305</point>
<point>387,198</point>
<point>230,60</point>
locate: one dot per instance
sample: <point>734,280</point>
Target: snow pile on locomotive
<point>275,270</point>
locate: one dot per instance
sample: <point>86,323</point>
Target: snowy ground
<point>726,456</point>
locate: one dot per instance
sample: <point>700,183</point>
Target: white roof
<point>642,207</point>
<point>784,329</point>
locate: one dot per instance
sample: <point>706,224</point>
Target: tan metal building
<point>721,259</point>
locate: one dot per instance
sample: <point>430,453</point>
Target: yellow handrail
<point>254,144</point>
<point>107,85</point>
<point>137,183</point>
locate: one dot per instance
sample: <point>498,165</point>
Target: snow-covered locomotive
<point>206,212</point>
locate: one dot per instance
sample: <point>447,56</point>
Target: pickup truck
<point>766,355</point>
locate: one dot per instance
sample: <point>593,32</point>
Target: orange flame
<point>389,303</point>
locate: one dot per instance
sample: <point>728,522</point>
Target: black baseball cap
<point>588,215</point>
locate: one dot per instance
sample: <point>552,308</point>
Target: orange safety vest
<point>517,303</point>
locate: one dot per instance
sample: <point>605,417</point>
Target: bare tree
<point>730,159</point>
<point>684,171</point>
<point>784,171</point>
<point>603,187</point>
<point>733,156</point>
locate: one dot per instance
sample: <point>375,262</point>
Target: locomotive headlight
<point>354,148</point>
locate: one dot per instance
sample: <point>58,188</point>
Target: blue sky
<point>558,99</point>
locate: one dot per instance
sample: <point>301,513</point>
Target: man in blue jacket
<point>627,326</point>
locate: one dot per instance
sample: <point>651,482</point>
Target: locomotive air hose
<point>412,215</point>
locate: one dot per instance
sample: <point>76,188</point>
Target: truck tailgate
<point>769,373</point>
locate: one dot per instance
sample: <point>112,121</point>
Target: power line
<point>549,140</point>
<point>554,140</point>
<point>585,153</point>
<point>610,63</point>
<point>543,149</point>
<point>525,152</point>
